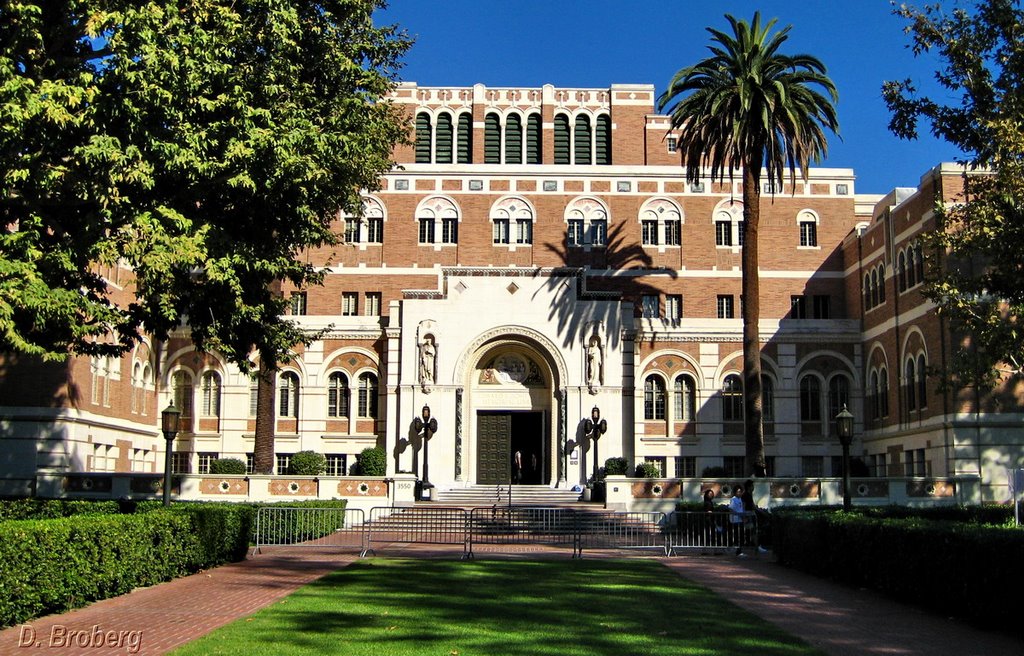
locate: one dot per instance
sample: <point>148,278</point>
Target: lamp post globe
<point>844,430</point>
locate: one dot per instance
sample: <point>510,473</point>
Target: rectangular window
<point>649,305</point>
<point>337,464</point>
<point>254,391</point>
<point>501,232</point>
<point>375,231</point>
<point>449,231</point>
<point>205,460</point>
<point>250,460</point>
<point>298,300</point>
<point>797,307</point>
<point>524,231</point>
<point>769,466</point>
<point>373,304</point>
<point>352,231</point>
<point>808,233</point>
<point>725,307</point>
<point>673,307</point>
<point>426,231</point>
<point>734,466</point>
<point>284,463</point>
<point>180,462</point>
<point>822,307</point>
<point>574,232</point>
<point>650,232</point>
<point>657,461</point>
<point>812,466</point>
<point>672,233</point>
<point>349,304</point>
<point>671,142</point>
<point>598,232</point>
<point>686,467</point>
<point>741,232</point>
<point>723,233</point>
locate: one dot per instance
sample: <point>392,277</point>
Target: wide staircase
<point>475,496</point>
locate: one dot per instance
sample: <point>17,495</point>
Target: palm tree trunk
<point>750,309</point>
<point>263,448</point>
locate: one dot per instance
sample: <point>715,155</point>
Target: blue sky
<point>596,43</point>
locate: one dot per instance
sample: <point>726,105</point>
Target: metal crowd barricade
<point>623,530</point>
<point>340,528</point>
<point>418,525</point>
<point>711,532</point>
<point>518,525</point>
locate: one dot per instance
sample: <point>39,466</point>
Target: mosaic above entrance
<point>511,369</point>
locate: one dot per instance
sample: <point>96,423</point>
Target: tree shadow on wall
<point>591,286</point>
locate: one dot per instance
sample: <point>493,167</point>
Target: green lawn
<point>500,607</point>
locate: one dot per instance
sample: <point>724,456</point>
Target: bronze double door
<point>502,434</point>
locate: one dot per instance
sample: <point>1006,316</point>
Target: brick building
<point>538,254</point>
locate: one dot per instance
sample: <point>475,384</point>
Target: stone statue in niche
<point>428,360</point>
<point>595,364</point>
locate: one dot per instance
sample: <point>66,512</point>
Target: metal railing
<point>341,528</point>
<point>418,525</point>
<point>624,530</point>
<point>710,532</point>
<point>518,525</point>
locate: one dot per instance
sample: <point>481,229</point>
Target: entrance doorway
<point>501,436</point>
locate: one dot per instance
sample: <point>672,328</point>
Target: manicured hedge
<point>957,568</point>
<point>53,565</point>
<point>53,508</point>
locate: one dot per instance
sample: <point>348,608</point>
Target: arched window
<point>210,385</point>
<point>136,386</point>
<point>534,139</point>
<point>919,262</point>
<point>901,271</point>
<point>603,140</point>
<point>492,139</point>
<point>767,400</point>
<point>181,388</point>
<point>562,140</point>
<point>911,267</point>
<point>581,141</point>
<point>867,291</point>
<point>838,396</point>
<point>654,398</point>
<point>684,395</point>
<point>513,140</point>
<point>424,147</point>
<point>464,139</point>
<point>807,222</point>
<point>444,138</point>
<point>910,383</point>
<point>147,384</point>
<point>732,398</point>
<point>922,383</point>
<point>881,283</point>
<point>288,391</point>
<point>810,399</point>
<point>337,395</point>
<point>367,396</point>
<point>874,399</point>
<point>874,288</point>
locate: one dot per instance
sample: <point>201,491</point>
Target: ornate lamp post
<point>169,426</point>
<point>426,426</point>
<point>844,429</point>
<point>594,428</point>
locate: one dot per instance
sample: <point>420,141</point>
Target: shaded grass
<point>489,608</point>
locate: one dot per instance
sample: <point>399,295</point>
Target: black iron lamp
<point>594,428</point>
<point>844,429</point>
<point>426,426</point>
<point>169,421</point>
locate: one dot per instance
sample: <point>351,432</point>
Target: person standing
<point>736,516</point>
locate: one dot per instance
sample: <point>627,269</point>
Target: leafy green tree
<point>974,274</point>
<point>752,109</point>
<point>202,144</point>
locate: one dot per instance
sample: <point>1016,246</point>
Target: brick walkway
<point>839,620</point>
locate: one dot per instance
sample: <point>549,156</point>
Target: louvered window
<point>423,145</point>
<point>444,139</point>
<point>513,140</point>
<point>533,139</point>
<point>603,142</point>
<point>492,140</point>
<point>465,139</point>
<point>581,141</point>
<point>561,139</point>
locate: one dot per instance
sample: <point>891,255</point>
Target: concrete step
<point>489,495</point>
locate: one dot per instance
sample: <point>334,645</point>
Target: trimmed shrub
<point>615,466</point>
<point>372,461</point>
<point>648,470</point>
<point>54,508</point>
<point>54,565</point>
<point>227,466</point>
<point>931,563</point>
<point>308,463</point>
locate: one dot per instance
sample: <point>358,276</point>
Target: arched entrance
<point>512,413</point>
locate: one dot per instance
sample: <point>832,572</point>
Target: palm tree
<point>748,107</point>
